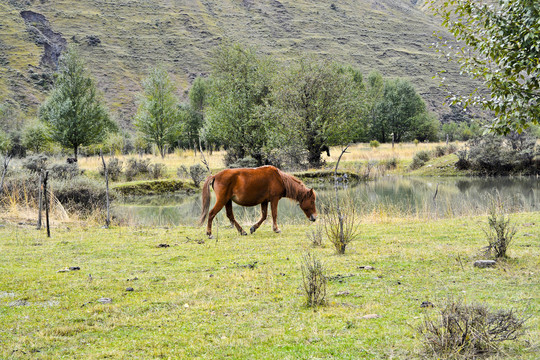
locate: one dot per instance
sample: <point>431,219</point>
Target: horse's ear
<point>310,192</point>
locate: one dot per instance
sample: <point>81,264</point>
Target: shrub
<point>500,230</point>
<point>440,151</point>
<point>313,280</point>
<point>81,194</point>
<point>114,169</point>
<point>374,144</point>
<point>315,235</point>
<point>197,173</point>
<point>136,167</point>
<point>64,171</point>
<point>341,227</point>
<point>419,159</point>
<point>416,142</point>
<point>496,155</point>
<point>35,163</point>
<point>469,330</point>
<point>156,170</point>
<point>247,162</point>
<point>389,164</point>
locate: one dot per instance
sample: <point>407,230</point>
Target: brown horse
<point>250,187</point>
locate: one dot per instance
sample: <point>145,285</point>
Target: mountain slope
<point>121,39</point>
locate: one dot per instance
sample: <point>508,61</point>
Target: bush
<point>247,162</point>
<point>500,230</point>
<point>496,155</point>
<point>374,144</point>
<point>81,194</point>
<point>156,170</point>
<point>136,167</point>
<point>469,330</point>
<point>341,227</point>
<point>416,142</point>
<point>419,159</point>
<point>313,280</point>
<point>114,169</point>
<point>440,151</point>
<point>35,163</point>
<point>64,171</point>
<point>315,235</point>
<point>389,164</point>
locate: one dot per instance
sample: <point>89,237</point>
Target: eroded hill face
<point>122,39</point>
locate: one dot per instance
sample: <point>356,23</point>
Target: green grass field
<point>241,297</point>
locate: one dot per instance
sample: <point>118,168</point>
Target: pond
<point>387,196</point>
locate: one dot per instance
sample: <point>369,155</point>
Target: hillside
<point>121,39</point>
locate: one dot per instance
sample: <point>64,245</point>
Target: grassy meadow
<point>241,297</point>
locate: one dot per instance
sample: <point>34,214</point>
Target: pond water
<point>387,196</point>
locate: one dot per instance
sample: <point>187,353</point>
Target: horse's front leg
<point>264,214</point>
<point>273,207</point>
<point>230,215</point>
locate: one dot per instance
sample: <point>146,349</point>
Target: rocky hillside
<point>121,39</point>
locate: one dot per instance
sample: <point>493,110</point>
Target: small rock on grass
<point>366,267</point>
<point>484,263</point>
<point>104,300</point>
<point>371,316</point>
<point>426,304</point>
<point>130,289</point>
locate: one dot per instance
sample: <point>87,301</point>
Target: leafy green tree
<point>373,95</point>
<point>36,137</point>
<point>194,110</point>
<point>399,110</point>
<point>74,110</point>
<point>499,42</point>
<point>236,98</point>
<point>316,104</point>
<point>158,116</point>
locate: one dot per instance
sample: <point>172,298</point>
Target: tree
<point>499,42</point>
<point>74,110</point>
<point>36,137</point>
<point>194,110</point>
<point>158,117</point>
<point>398,112</point>
<point>316,104</point>
<point>240,83</point>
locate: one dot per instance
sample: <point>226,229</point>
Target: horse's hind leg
<point>264,214</point>
<point>230,215</point>
<point>211,215</point>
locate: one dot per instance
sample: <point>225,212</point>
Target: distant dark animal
<point>326,149</point>
<point>250,187</point>
<point>71,160</point>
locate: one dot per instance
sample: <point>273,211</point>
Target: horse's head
<point>308,205</point>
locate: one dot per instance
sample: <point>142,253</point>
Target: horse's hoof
<point>277,231</point>
<point>252,230</point>
<point>210,236</point>
<point>243,233</point>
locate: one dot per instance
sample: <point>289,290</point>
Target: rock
<point>74,268</point>
<point>104,300</point>
<point>163,245</point>
<point>371,316</point>
<point>129,289</point>
<point>343,293</point>
<point>426,304</point>
<point>366,267</point>
<point>18,303</point>
<point>62,270</point>
<point>484,263</point>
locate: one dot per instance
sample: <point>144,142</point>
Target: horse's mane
<point>294,188</point>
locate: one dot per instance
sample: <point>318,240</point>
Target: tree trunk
<point>108,220</point>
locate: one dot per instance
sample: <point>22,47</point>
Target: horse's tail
<point>206,198</point>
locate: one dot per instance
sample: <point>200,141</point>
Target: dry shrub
<point>315,235</point>
<point>342,225</point>
<point>467,331</point>
<point>500,230</point>
<point>313,280</point>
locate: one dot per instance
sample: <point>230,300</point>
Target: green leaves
<point>501,42</point>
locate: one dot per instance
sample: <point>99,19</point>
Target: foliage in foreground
<point>500,229</point>
<point>466,331</point>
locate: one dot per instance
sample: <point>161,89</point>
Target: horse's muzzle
<point>312,217</point>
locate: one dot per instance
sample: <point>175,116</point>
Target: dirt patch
<point>53,43</point>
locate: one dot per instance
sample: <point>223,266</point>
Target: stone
<point>484,263</point>
<point>371,316</point>
<point>104,300</point>
<point>366,267</point>
<point>130,289</point>
<point>425,304</point>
